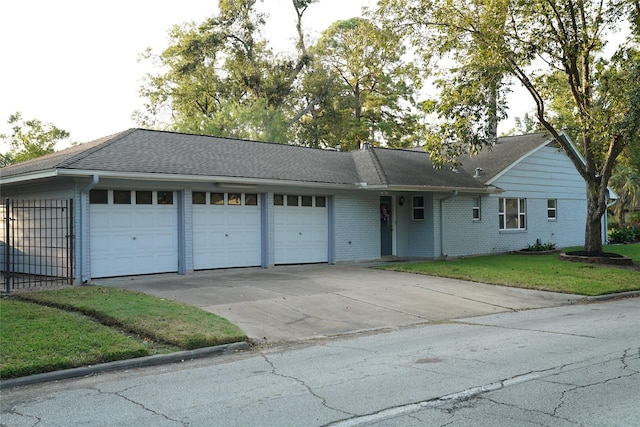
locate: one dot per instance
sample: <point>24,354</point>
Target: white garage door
<point>226,230</point>
<point>301,232</point>
<point>133,232</point>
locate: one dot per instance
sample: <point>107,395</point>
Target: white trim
<point>226,181</point>
<point>32,176</point>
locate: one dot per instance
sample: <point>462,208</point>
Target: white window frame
<point>417,207</point>
<point>552,211</point>
<point>506,219</point>
<point>476,211</point>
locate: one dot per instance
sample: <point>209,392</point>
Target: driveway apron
<point>288,303</point>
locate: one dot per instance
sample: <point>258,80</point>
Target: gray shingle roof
<point>414,168</point>
<point>508,150</point>
<point>149,152</point>
<point>157,152</point>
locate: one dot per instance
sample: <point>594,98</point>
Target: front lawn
<point>35,339</point>
<point>58,329</point>
<point>542,272</point>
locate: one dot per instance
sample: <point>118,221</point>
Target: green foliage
<point>30,139</point>
<point>539,246</point>
<point>220,77</point>
<point>6,159</point>
<point>626,182</point>
<point>364,91</point>
<point>629,233</point>
<point>524,125</point>
<point>554,49</point>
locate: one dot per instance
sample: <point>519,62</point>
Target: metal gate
<point>36,243</point>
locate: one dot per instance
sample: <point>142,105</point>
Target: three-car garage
<point>139,231</point>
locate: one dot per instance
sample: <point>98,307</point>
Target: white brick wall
<point>269,234</point>
<point>546,174</point>
<point>420,235</point>
<point>357,228</point>
<point>188,228</point>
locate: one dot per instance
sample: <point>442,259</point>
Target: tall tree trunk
<point>492,102</point>
<point>593,230</point>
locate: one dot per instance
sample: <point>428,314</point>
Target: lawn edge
<point>139,362</point>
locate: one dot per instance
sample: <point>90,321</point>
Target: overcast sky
<point>74,63</point>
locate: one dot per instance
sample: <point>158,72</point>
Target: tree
<point>30,139</point>
<point>626,181</point>
<point>220,77</point>
<point>525,125</point>
<point>363,88</point>
<point>528,41</point>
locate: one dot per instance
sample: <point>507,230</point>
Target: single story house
<point>148,201</point>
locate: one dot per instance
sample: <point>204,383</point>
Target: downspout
<point>84,229</point>
<point>450,196</point>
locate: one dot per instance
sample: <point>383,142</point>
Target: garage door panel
<point>226,236</point>
<point>301,234</point>
<point>133,239</point>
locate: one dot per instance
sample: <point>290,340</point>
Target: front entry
<point>386,226</point>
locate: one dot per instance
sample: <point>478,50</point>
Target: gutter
<point>487,189</point>
<point>28,176</point>
<point>84,229</point>
<point>228,181</point>
<point>450,196</point>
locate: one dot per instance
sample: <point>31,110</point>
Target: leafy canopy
<point>474,49</point>
<point>221,77</point>
<point>30,139</point>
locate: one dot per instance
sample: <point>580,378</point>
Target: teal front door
<point>386,226</point>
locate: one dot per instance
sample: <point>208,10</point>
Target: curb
<point>620,295</point>
<point>158,359</point>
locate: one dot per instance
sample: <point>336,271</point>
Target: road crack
<point>323,401</point>
<point>36,420</point>
<point>626,356</point>
<point>141,405</point>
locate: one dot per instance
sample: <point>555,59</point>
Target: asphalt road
<point>572,365</point>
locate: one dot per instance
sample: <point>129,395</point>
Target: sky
<point>75,63</point>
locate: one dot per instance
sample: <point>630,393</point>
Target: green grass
<point>36,339</point>
<point>542,272</point>
<point>631,251</point>
<point>57,329</point>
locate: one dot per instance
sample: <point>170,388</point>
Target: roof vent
<point>478,173</point>
<point>338,147</point>
<point>366,145</point>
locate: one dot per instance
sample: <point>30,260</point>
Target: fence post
<point>70,243</point>
<point>7,270</point>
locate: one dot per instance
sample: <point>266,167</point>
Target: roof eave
<point>30,176</point>
<point>489,189</point>
<point>227,180</point>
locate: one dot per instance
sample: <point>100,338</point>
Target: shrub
<point>539,246</point>
<point>628,234</point>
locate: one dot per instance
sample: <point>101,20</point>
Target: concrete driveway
<point>288,303</point>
